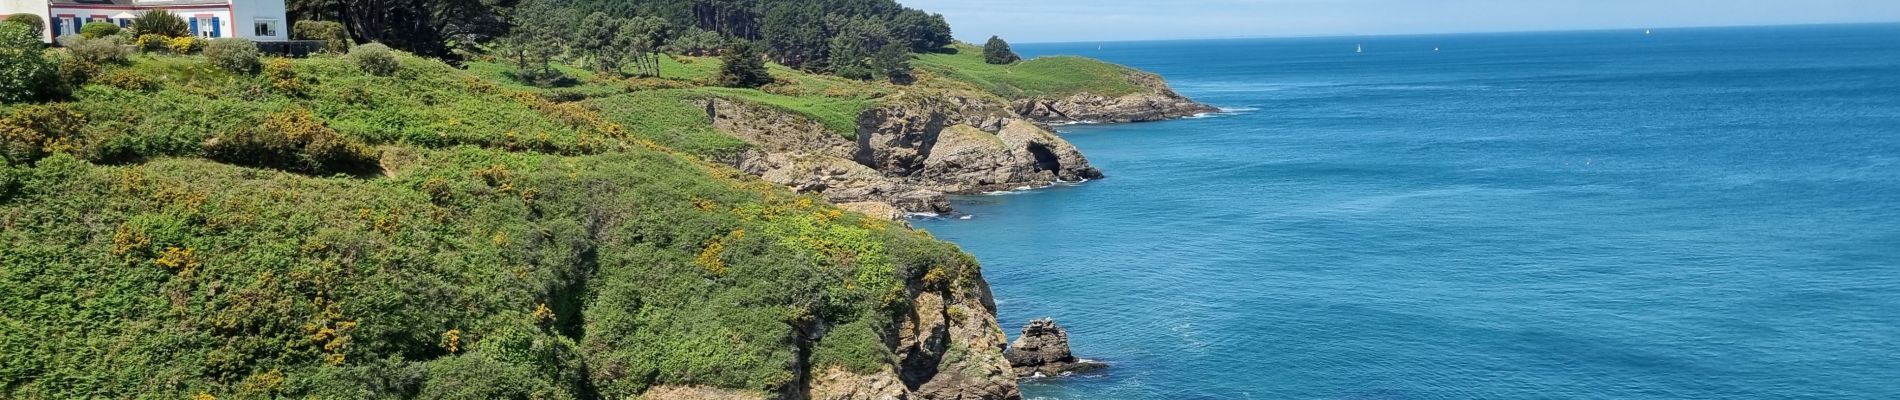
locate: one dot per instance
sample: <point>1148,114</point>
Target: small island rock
<point>1043,351</point>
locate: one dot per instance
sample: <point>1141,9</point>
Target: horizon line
<point>1372,35</point>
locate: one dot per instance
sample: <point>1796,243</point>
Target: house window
<point>266,28</point>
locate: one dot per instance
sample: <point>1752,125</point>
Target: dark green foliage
<point>425,27</point>
<point>540,33</point>
<point>997,51</point>
<point>96,30</point>
<point>25,72</point>
<point>335,39</point>
<point>375,59</point>
<point>697,42</point>
<point>160,22</point>
<point>238,55</point>
<point>292,141</point>
<point>743,67</point>
<point>864,49</point>
<point>34,24</point>
<point>923,32</point>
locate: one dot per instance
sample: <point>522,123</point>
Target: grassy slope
<point>1058,76</point>
<point>516,241</point>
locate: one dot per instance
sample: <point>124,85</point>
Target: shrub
<point>34,131</point>
<point>75,72</point>
<point>128,79</point>
<point>283,77</point>
<point>335,39</point>
<point>34,23</point>
<point>375,59</point>
<point>238,55</point>
<point>997,52</point>
<point>25,73</point>
<point>94,50</point>
<point>292,141</point>
<point>151,42</point>
<point>162,23</point>
<point>183,45</point>
<point>100,29</point>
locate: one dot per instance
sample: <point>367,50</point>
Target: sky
<point>1027,21</point>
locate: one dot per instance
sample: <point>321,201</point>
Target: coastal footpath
<point>317,230</point>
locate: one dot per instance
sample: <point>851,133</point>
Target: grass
<point>1043,77</point>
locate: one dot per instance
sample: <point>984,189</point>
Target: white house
<point>260,20</point>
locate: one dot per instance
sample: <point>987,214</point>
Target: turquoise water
<point>1695,214</point>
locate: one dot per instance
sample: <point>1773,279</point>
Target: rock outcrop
<point>1159,102</point>
<point>908,154</point>
<point>1043,351</point>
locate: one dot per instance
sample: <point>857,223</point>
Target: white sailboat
<point>1361,49</point>
<point>1646,32</point>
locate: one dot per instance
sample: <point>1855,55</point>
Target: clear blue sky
<point>1103,20</point>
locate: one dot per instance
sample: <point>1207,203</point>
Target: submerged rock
<point>1043,350</point>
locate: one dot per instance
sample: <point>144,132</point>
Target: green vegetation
<point>160,22</point>
<point>177,229</point>
<point>237,55</point>
<point>98,29</point>
<point>997,51</point>
<point>1042,77</point>
<point>535,222</point>
<point>743,67</point>
<point>375,59</point>
<point>335,39</point>
<point>25,72</point>
<point>35,25</point>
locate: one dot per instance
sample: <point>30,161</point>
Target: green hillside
<point>174,230</point>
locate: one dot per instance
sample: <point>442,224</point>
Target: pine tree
<point>998,52</point>
<point>744,68</point>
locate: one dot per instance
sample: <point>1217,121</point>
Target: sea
<point>1707,213</point>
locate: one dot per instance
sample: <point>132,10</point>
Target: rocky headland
<point>910,153</point>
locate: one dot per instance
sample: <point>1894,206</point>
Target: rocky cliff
<point>1158,102</point>
<point>908,154</point>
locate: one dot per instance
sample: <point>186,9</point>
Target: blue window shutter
<point>217,28</point>
<point>194,26</point>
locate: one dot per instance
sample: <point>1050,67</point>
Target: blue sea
<point>1688,214</point>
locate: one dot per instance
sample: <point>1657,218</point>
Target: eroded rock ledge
<point>909,154</point>
<point>1159,103</point>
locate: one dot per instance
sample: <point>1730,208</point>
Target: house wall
<point>251,12</point>
<point>205,15</point>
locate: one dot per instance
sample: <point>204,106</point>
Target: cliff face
<point>909,154</point>
<point>949,347</point>
<point>1159,102</point>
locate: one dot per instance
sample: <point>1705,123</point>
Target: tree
<point>697,42</point>
<point>865,49</point>
<point>998,52</point>
<point>795,37</point>
<point>539,34</point>
<point>923,32</point>
<point>597,39</point>
<point>744,67</point>
<point>160,22</point>
<point>25,73</point>
<point>643,39</point>
<point>37,25</point>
